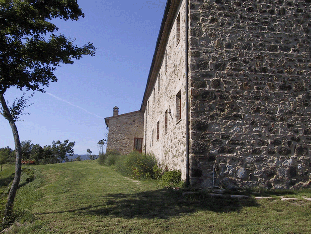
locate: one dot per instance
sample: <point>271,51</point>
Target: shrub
<point>109,158</point>
<point>171,179</point>
<point>137,165</point>
<point>157,172</point>
<point>101,159</point>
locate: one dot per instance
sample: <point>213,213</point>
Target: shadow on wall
<point>161,204</point>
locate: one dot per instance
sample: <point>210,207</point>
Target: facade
<point>227,99</point>
<point>125,131</point>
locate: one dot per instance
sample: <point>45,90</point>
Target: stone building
<point>228,98</point>
<point>125,131</point>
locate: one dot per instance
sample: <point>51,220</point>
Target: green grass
<point>84,197</point>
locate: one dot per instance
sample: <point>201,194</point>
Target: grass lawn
<point>84,197</point>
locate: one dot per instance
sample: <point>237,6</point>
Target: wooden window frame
<point>136,141</point>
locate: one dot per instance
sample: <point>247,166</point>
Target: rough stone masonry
<point>250,93</point>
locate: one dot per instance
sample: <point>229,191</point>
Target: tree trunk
<point>18,165</point>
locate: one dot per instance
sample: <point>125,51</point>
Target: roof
<point>166,26</point>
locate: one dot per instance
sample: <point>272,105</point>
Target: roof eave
<point>165,29</point>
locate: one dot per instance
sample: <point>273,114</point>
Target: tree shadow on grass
<point>162,204</point>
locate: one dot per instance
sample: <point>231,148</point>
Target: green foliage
<point>137,165</point>
<point>171,179</point>
<point>141,166</point>
<point>78,158</point>
<point>109,158</point>
<point>30,49</point>
<point>101,159</point>
<point>5,155</point>
<point>101,144</point>
<point>30,52</point>
<point>157,172</point>
<point>18,106</point>
<point>56,153</point>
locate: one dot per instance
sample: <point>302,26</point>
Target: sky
<point>124,33</point>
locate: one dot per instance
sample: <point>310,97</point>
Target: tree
<point>30,51</point>
<point>101,144</point>
<point>78,158</point>
<point>91,157</point>
<point>90,154</point>
<point>5,154</point>
<point>26,149</point>
<point>61,151</point>
<point>37,153</point>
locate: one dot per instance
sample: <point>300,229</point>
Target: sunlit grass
<point>84,197</point>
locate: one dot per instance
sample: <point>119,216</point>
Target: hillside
<point>84,197</point>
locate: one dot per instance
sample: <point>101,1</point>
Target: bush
<point>137,165</point>
<point>171,179</point>
<point>157,172</point>
<point>109,158</point>
<point>101,159</point>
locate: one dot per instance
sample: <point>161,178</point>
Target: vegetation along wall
<point>250,93</point>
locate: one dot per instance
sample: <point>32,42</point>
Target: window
<point>158,130</point>
<point>148,108</point>
<point>138,144</point>
<point>178,29</point>
<point>165,121</point>
<point>178,106</point>
<point>152,138</point>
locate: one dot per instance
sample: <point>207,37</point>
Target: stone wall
<point>250,92</point>
<point>122,131</point>
<point>170,147</point>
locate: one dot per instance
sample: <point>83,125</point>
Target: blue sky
<point>124,33</point>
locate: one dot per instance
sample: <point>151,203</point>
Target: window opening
<point>178,106</point>
<point>158,130</point>
<point>138,144</point>
<point>152,138</point>
<point>178,29</point>
<point>165,121</point>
